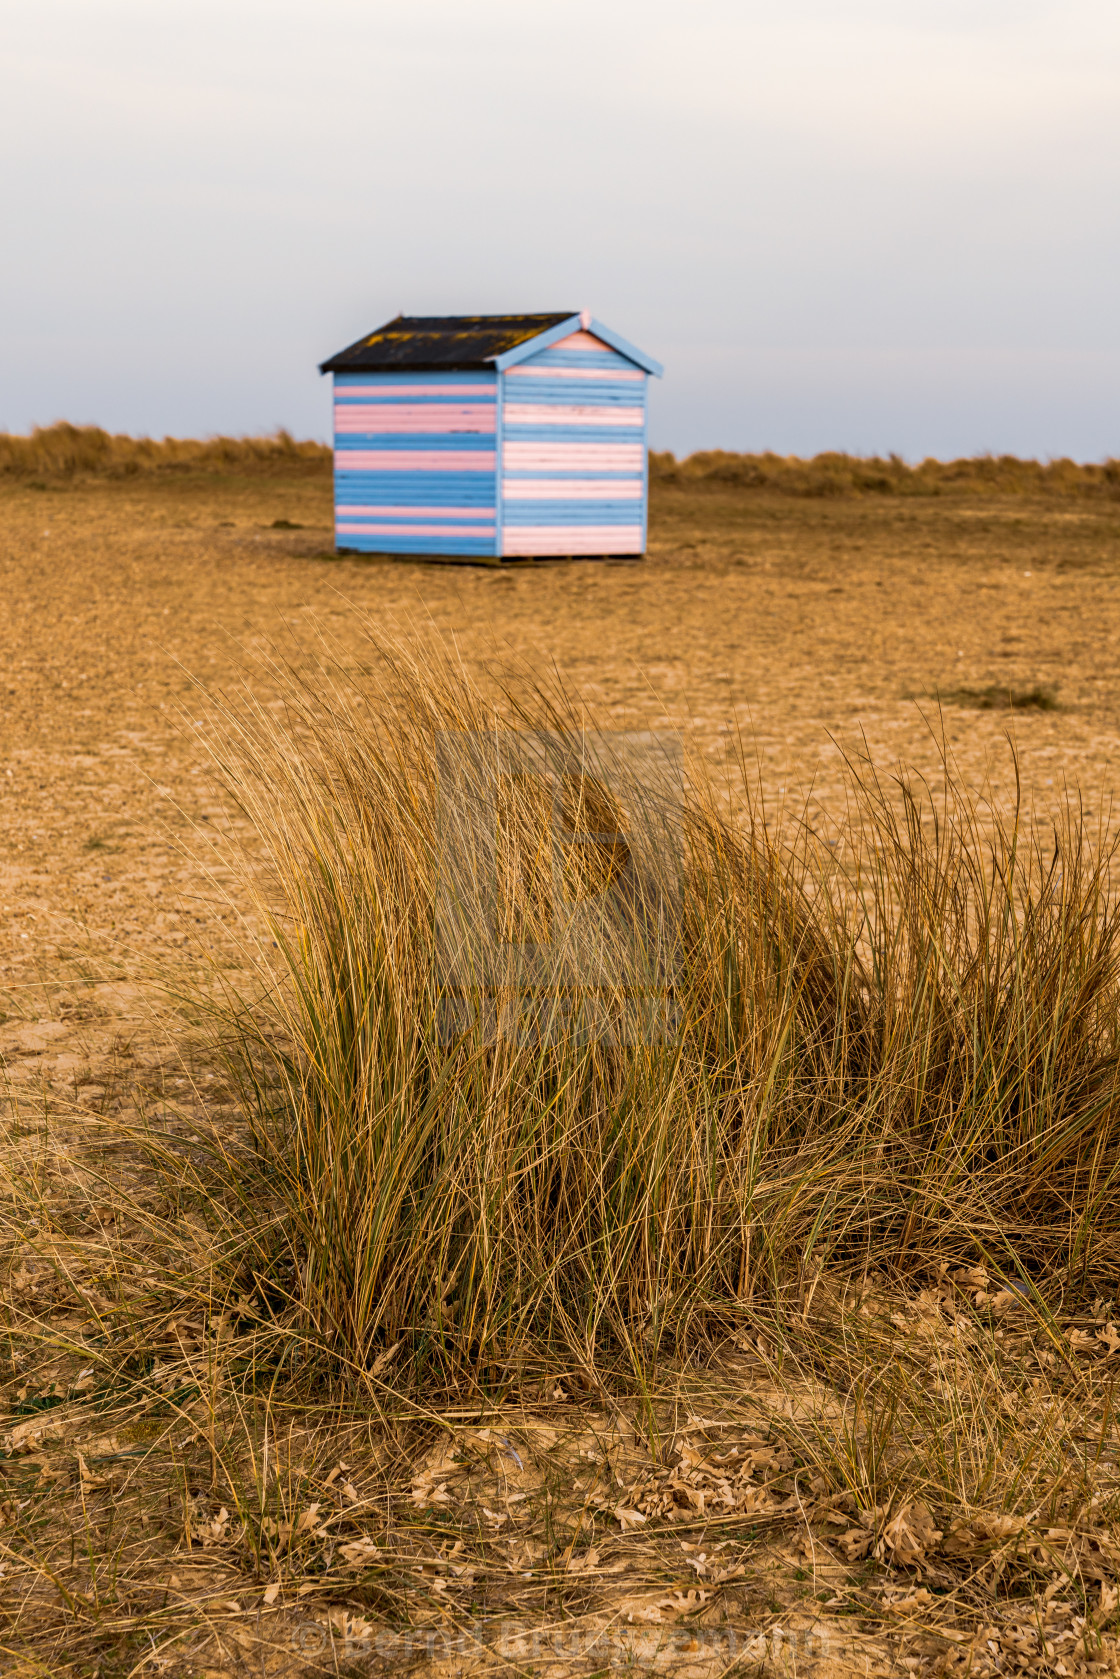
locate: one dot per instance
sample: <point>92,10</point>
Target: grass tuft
<point>996,697</point>
<point>887,1056</point>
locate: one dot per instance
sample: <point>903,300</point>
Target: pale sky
<point>855,224</point>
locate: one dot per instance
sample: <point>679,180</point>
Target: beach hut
<point>491,437</point>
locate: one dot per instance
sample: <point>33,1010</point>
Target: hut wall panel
<point>601,415</point>
<point>415,459</point>
<point>567,370</point>
<point>571,489</point>
<point>573,452</point>
<point>572,539</point>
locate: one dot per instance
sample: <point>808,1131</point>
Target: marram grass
<point>63,452</point>
<point>884,1055</point>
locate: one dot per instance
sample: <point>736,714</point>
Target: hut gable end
<point>574,450</point>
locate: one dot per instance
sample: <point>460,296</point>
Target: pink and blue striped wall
<point>547,457</point>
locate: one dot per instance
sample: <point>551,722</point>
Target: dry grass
<point>234,1377</point>
<point>890,1053</point>
<point>835,474</point>
<point>64,451</point>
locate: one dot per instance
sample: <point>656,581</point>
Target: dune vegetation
<point>887,1053</point>
<point>63,451</point>
<point>834,474</point>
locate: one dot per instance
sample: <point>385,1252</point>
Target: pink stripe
<point>527,371</point>
<point>579,341</point>
<point>570,457</point>
<point>414,530</point>
<point>561,414</point>
<point>378,427</point>
<point>419,512</point>
<point>419,410</point>
<point>398,417</point>
<point>572,539</point>
<point>571,489</point>
<point>465,393</point>
<point>414,460</point>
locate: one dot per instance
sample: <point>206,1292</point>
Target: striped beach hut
<point>491,437</point>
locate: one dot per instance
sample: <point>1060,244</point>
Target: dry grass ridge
<point>834,474</point>
<point>64,451</point>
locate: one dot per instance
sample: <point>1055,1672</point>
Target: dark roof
<point>441,341</point>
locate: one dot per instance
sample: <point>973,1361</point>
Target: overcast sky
<point>856,224</point>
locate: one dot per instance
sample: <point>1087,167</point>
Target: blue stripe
<point>489,380</point>
<point>398,498</point>
<point>417,488</point>
<point>481,441</point>
<point>573,513</point>
<point>588,393</point>
<point>580,358</point>
<point>430,515</point>
<point>375,544</point>
<point>523,431</point>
